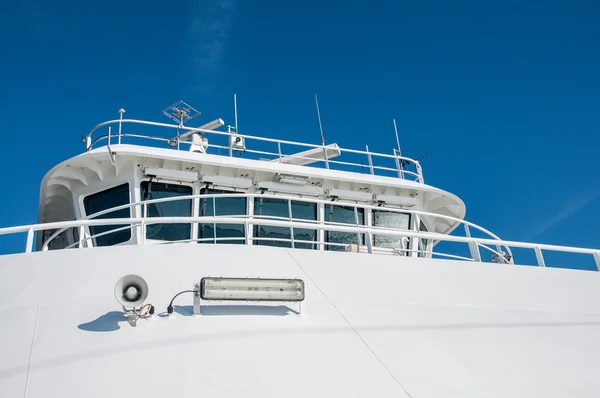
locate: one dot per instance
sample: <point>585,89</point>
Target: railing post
<point>110,153</point>
<point>279,150</point>
<point>321,232</point>
<point>121,112</point>
<point>420,172</point>
<point>325,156</point>
<point>398,165</point>
<point>143,227</point>
<point>597,260</point>
<point>539,257</point>
<point>214,224</point>
<point>29,244</point>
<point>369,242</point>
<point>290,218</point>
<point>357,225</point>
<point>81,234</point>
<point>250,218</point>
<point>473,247</point>
<point>370,160</point>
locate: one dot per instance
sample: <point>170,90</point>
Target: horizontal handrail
<point>141,221</point>
<point>400,161</point>
<point>282,197</point>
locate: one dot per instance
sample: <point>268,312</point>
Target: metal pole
<point>291,228</point>
<point>235,112</point>
<point>319,117</point>
<point>398,161</point>
<point>370,160</point>
<point>121,112</point>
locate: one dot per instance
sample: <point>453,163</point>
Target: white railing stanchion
<point>249,225</point>
<point>214,224</point>
<point>279,150</point>
<point>370,160</point>
<point>473,246</point>
<point>357,225</point>
<point>81,234</point>
<point>325,156</point>
<point>143,227</point>
<point>369,242</point>
<point>539,257</point>
<point>29,244</point>
<point>398,166</point>
<point>321,209</point>
<point>290,218</point>
<point>121,112</point>
<point>597,260</point>
<point>247,231</point>
<point>419,172</point>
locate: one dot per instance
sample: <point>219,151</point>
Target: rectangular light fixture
<point>251,289</point>
<point>233,182</point>
<point>350,195</point>
<point>311,156</point>
<point>407,201</point>
<point>296,189</point>
<point>290,179</point>
<point>175,175</point>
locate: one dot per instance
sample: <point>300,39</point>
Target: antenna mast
<point>319,117</point>
<point>397,139</point>
<point>235,111</point>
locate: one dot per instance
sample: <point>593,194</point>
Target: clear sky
<point>505,94</point>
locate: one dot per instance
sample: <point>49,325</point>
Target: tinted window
<point>343,215</point>
<point>279,208</point>
<point>177,208</point>
<point>104,200</point>
<point>230,206</point>
<point>388,219</point>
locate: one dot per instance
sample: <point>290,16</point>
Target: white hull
<point>371,325</point>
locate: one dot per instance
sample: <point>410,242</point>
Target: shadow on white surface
<point>221,310</point>
<point>108,322</point>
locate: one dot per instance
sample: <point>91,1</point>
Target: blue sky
<point>505,94</point>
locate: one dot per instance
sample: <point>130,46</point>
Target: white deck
<point>370,326</point>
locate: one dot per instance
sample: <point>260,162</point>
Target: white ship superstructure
<point>303,270</point>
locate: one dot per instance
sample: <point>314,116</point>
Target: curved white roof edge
<point>454,205</point>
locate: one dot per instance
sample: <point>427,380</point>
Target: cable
<point>170,307</point>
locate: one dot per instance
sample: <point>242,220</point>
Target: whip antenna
<point>319,117</point>
<point>397,139</point>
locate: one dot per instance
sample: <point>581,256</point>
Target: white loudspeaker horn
<point>131,291</point>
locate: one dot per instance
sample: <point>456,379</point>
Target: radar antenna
<point>180,112</point>
<point>406,162</point>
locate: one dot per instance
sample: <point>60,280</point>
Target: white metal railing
<point>501,249</point>
<point>363,161</point>
<point>144,203</point>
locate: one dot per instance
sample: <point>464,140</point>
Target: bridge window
<point>104,200</point>
<point>175,208</point>
<point>388,219</point>
<point>343,215</point>
<point>281,236</point>
<point>228,206</point>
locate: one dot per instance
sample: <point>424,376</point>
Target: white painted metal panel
<point>369,326</point>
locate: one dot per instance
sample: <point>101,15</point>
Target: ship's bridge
<point>191,172</point>
<point>141,182</point>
